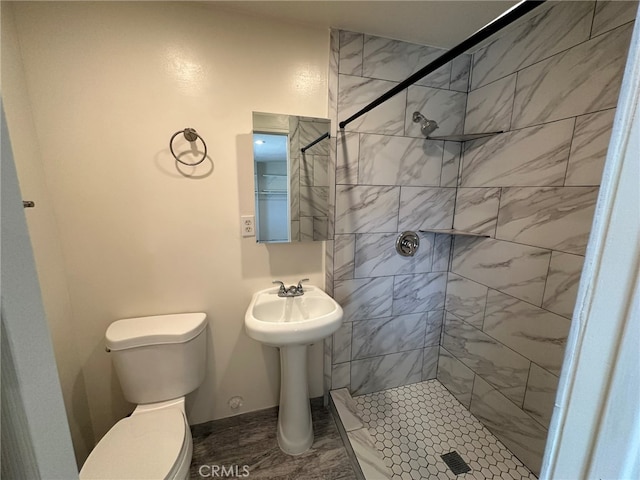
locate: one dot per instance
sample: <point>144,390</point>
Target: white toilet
<point>158,361</point>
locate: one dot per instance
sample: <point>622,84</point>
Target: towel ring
<point>191,135</point>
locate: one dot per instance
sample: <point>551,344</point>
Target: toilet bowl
<point>149,444</point>
<point>156,358</point>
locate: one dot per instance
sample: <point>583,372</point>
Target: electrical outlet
<point>248,225</point>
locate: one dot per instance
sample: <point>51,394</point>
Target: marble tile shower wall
<point>551,83</point>
<point>389,178</point>
<point>309,180</point>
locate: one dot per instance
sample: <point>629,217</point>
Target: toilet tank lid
<point>156,330</point>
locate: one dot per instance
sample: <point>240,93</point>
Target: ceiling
<point>437,23</point>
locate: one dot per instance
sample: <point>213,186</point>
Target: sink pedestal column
<point>295,430</point>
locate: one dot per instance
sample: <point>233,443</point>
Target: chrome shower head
<point>427,126</point>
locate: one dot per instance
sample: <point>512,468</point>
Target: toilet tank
<point>158,358</point>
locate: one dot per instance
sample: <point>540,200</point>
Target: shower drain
<point>455,462</point>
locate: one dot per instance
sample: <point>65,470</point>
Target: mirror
<point>291,177</point>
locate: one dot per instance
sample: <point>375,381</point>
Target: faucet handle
<point>299,287</point>
<point>282,289</point>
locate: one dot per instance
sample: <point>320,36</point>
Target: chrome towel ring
<point>191,135</point>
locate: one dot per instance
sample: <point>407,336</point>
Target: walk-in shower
<point>484,307</point>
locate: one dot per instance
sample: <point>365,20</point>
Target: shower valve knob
<point>407,244</point>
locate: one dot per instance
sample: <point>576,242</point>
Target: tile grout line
<point>497,341</point>
<point>573,137</point>
<point>551,56</point>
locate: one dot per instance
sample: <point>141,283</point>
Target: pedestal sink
<point>292,323</point>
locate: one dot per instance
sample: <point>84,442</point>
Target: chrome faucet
<point>292,291</point>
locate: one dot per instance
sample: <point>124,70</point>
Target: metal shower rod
<point>322,137</point>
<point>485,32</point>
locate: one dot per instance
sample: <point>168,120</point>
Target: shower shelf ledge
<point>453,231</point>
<point>464,137</point>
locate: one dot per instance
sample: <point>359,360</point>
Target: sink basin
<point>292,323</point>
<point>280,321</point>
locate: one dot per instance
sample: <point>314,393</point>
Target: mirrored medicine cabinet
<point>291,179</point>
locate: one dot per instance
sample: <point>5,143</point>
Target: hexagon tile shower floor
<point>414,425</point>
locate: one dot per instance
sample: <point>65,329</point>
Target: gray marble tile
<point>327,350</point>
<point>430,362</point>
<point>583,79</point>
<point>528,157</point>
<point>310,130</point>
<point>589,148</point>
<point>396,60</point>
<point>370,461</point>
<point>347,157</point>
<point>502,367</point>
<point>295,230</point>
<point>294,131</point>
<point>314,201</point>
<point>364,298</point>
<point>347,409</point>
<point>331,180</point>
<point>341,375</point>
<point>466,299</point>
<point>552,217</point>
<point>320,228</point>
<point>376,255</point>
<point>342,343</point>
<point>518,270</point>
<point>460,68</point>
<point>381,336</point>
<point>513,427</point>
<point>611,14</point>
<point>426,207</point>
<point>388,160</point>
<point>456,376</point>
<point>306,170</point>
<point>344,256</point>
<point>433,331</point>
<point>540,395</point>
<point>489,107</point>
<point>562,283</point>
<point>334,60</point>
<point>306,229</point>
<point>364,209</point>
<point>320,170</point>
<point>477,210</point>
<point>379,373</point>
<point>450,164</point>
<point>533,332</point>
<point>294,186</point>
<point>357,92</point>
<point>546,31</point>
<point>351,53</point>
<point>443,106</point>
<point>418,293</point>
<point>329,266</point>
<point>441,253</point>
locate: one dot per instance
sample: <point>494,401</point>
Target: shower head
<point>427,126</point>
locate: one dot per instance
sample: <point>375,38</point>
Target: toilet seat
<point>146,445</point>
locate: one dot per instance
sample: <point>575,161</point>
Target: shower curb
<point>369,458</point>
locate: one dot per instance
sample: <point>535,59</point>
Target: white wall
<point>35,434</point>
<point>44,236</point>
<point>109,83</point>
